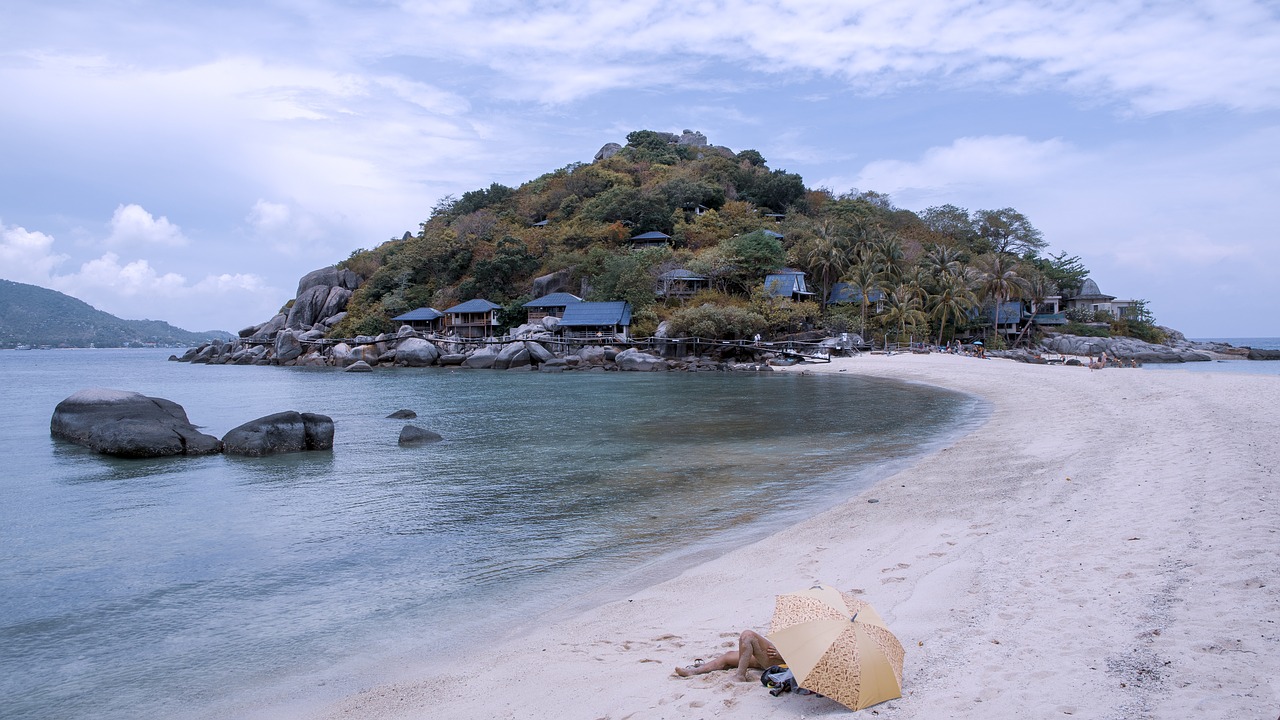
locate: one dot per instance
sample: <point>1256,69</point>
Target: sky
<point>189,162</point>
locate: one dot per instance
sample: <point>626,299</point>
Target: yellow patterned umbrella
<point>837,645</point>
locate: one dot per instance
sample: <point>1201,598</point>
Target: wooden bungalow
<point>552,305</point>
<point>680,284</point>
<point>843,292</point>
<point>473,318</point>
<point>597,320</point>
<point>788,283</point>
<point>649,240</point>
<point>424,320</point>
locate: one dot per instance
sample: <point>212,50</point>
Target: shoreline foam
<point>1104,545</point>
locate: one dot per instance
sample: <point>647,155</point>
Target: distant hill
<point>32,315</point>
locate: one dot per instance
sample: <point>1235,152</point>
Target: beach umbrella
<point>838,646</point>
<point>977,342</point>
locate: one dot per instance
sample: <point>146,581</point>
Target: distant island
<point>32,316</point>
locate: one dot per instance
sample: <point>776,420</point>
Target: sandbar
<point>1105,545</point>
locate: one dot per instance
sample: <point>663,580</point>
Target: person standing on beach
<point>754,651</point>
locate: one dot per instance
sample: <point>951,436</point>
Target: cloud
<point>25,256</point>
<point>1176,249</point>
<point>966,165</point>
<point>132,225</point>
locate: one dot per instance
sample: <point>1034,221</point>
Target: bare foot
<point>742,676</point>
<point>684,671</point>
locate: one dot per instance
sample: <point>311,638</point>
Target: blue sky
<point>189,162</point>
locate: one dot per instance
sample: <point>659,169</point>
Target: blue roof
<point>785,282</point>
<point>474,306</point>
<point>772,234</point>
<point>681,274</point>
<point>596,314</point>
<point>653,235</point>
<point>844,292</point>
<point>422,313</point>
<point>560,299</point>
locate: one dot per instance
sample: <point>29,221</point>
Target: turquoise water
<point>196,587</point>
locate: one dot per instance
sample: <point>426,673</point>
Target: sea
<point>1250,367</point>
<point>257,587</point>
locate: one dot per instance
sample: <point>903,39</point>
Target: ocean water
<point>225,587</point>
<point>1252,367</point>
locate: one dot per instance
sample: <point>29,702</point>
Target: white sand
<point>1106,545</point>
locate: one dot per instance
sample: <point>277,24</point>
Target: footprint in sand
<point>892,579</point>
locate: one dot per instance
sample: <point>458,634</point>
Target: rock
<point>416,352</point>
<point>341,354</point>
<point>406,331</point>
<point>331,321</point>
<point>606,152</point>
<point>414,435</point>
<point>128,424</point>
<point>249,331</point>
<point>452,359</point>
<point>592,355</point>
<point>537,353</point>
<point>311,359</point>
<point>552,283</point>
<point>550,323</point>
<point>268,329</point>
<point>329,276</point>
<point>403,414</point>
<point>512,355</point>
<point>693,138</point>
<point>482,358</point>
<point>288,347</point>
<point>334,303</point>
<point>306,307</point>
<point>283,432</point>
<point>359,366</point>
<point>1260,354</point>
<point>635,360</point>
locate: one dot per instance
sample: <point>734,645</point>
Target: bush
<point>717,322</point>
<point>1075,328</point>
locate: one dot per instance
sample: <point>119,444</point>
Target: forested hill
<point>32,315</point>
<point>730,220</point>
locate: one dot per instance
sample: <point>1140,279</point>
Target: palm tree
<point>866,278</point>
<point>905,308</point>
<point>1039,287</point>
<point>942,260</point>
<point>828,258</point>
<point>953,299</point>
<point>1000,280</point>
<point>890,255</point>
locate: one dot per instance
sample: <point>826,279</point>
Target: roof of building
<point>681,274</point>
<point>422,313</point>
<point>786,281</point>
<point>652,235</point>
<point>844,292</point>
<point>597,314</point>
<point>473,306</point>
<point>560,299</point>
<point>772,234</point>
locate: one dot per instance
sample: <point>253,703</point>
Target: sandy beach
<point>1105,545</point>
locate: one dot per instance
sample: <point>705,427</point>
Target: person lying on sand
<point>754,651</point>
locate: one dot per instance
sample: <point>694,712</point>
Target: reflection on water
<point>150,587</point>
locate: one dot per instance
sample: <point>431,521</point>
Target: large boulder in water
<point>633,359</point>
<point>414,435</point>
<point>482,358</point>
<point>129,424</point>
<point>283,432</point>
<point>288,346</point>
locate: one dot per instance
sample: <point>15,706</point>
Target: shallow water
<point>180,587</point>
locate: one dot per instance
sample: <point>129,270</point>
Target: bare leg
<point>724,662</point>
<point>754,651</point>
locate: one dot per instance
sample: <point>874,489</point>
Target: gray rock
<point>512,355</point>
<point>416,352</point>
<point>359,366</point>
<point>288,347</point>
<point>635,360</point>
<point>414,435</point>
<point>249,331</point>
<point>367,353</point>
<point>334,303</point>
<point>328,277</point>
<point>452,359</point>
<point>482,358</point>
<point>693,138</point>
<point>550,323</point>
<point>406,331</point>
<point>331,321</point>
<point>592,355</point>
<point>537,353</point>
<point>552,283</point>
<point>1261,354</point>
<point>403,414</point>
<point>127,424</point>
<point>306,307</point>
<point>341,354</point>
<point>283,432</point>
<point>608,151</point>
<point>268,329</point>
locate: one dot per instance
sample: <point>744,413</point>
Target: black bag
<point>779,679</point>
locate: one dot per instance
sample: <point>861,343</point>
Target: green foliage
<point>1074,328</point>
<point>751,157</point>
<point>1138,322</point>
<point>776,191</point>
<point>480,199</point>
<point>1066,271</point>
<point>629,276</point>
<point>750,257</point>
<point>495,278</point>
<point>719,322</point>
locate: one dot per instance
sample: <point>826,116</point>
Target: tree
<point>904,308</point>
<point>1000,280</point>
<point>753,256</point>
<point>1009,231</point>
<point>866,278</point>
<point>951,222</point>
<point>1066,271</point>
<point>827,258</point>
<point>953,300</point>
